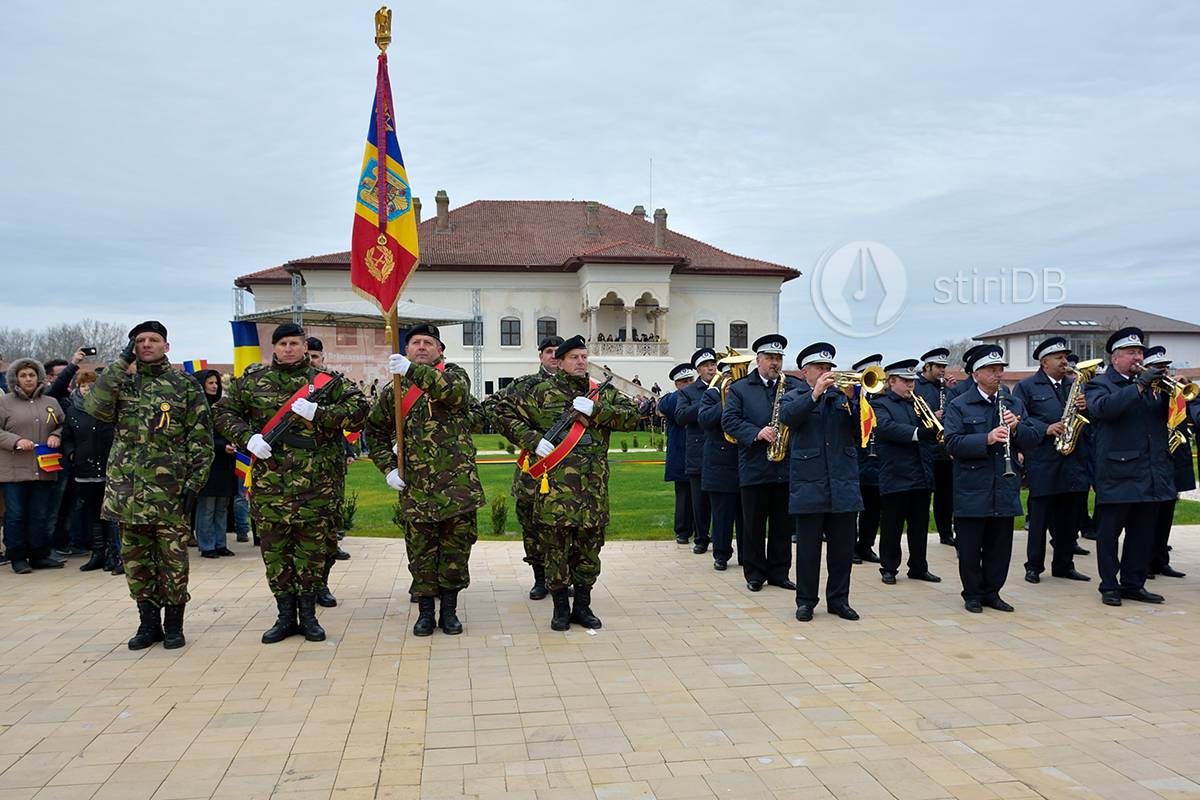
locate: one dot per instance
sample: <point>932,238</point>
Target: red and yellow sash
<point>414,393</point>
<point>555,457</point>
<point>318,381</point>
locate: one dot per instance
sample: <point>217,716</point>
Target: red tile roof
<point>544,235</point>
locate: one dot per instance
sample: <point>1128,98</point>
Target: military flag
<point>246,350</point>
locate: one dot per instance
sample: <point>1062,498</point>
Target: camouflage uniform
<point>442,491</point>
<point>295,496</point>
<point>162,448</point>
<point>524,487</point>
<point>574,513</point>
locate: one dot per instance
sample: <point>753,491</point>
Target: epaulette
<point>255,367</point>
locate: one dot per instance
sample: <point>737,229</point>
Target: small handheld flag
<point>195,365</point>
<point>1177,408</point>
<point>241,466</point>
<point>49,459</point>
<point>352,436</point>
<point>866,417</point>
<point>246,350</point>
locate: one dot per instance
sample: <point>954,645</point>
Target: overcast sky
<point>152,152</point>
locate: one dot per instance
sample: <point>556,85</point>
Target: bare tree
<point>957,347</point>
<point>16,343</point>
<point>62,340</point>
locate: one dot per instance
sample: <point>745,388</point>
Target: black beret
<point>574,343</point>
<point>549,341</point>
<point>315,344</point>
<point>149,326</point>
<point>285,330</point>
<point>425,329</point>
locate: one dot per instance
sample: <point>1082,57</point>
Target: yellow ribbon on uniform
<point>164,418</point>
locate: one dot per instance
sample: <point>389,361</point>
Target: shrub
<point>635,442</point>
<point>508,447</point>
<point>499,514</point>
<point>624,446</point>
<point>349,509</point>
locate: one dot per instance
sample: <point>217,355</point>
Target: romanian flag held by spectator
<point>49,459</point>
<point>246,350</point>
<point>352,436</point>
<point>241,466</point>
<point>195,365</point>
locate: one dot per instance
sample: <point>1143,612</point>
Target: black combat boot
<point>582,613</point>
<point>99,547</point>
<point>306,616</point>
<point>149,627</point>
<point>325,598</point>
<point>448,618</point>
<point>538,590</point>
<point>425,619</point>
<point>561,620</point>
<point>285,626</point>
<point>173,627</point>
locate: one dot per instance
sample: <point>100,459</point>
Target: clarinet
<point>1009,472</point>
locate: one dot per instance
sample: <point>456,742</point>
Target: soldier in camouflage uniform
<point>524,487</point>
<point>160,459</point>
<point>440,490</point>
<point>574,507</point>
<point>293,492</point>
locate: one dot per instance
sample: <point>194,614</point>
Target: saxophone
<point>1072,420</point>
<point>777,450</point>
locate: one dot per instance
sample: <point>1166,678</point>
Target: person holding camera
<point>86,444</point>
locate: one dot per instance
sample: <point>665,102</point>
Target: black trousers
<point>684,525</point>
<point>1128,569</point>
<point>898,510</point>
<point>1087,520</point>
<point>943,498</point>
<point>868,518</point>
<point>839,553</point>
<point>766,553</point>
<point>726,515</point>
<point>984,550</point>
<point>701,510</point>
<point>1058,513</point>
<point>1160,556</point>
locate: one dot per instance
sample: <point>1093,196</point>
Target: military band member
<point>868,479</point>
<point>934,387</point>
<point>750,405</point>
<point>1184,471</point>
<point>524,487</point>
<point>720,473</point>
<point>572,499</point>
<point>296,482</point>
<point>1055,480</point>
<point>984,445</point>
<point>967,383</point>
<point>440,491</point>
<point>687,411</point>
<point>676,455</point>
<point>160,459</point>
<point>1087,519</point>
<point>906,457</point>
<point>1134,472</point>
<point>824,493</point>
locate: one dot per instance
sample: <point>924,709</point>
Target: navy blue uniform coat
<point>1129,434</point>
<point>1048,471</point>
<point>904,464</point>
<point>674,470</point>
<point>980,488</point>
<point>720,455</point>
<point>687,412</point>
<point>823,451</point>
<point>748,404</point>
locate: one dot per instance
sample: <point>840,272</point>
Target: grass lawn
<point>641,503</point>
<point>492,442</point>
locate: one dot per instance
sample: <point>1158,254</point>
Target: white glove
<point>258,446</point>
<point>398,364</point>
<point>395,449</point>
<point>305,408</point>
<point>584,405</point>
<point>395,481</point>
<point>544,449</point>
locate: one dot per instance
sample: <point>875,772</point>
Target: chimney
<point>593,219</point>
<point>639,211</point>
<point>660,228</point>
<point>443,211</point>
<point>416,204</point>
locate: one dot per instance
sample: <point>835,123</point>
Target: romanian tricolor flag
<point>245,346</point>
<point>866,416</point>
<point>1176,408</point>
<point>241,466</point>
<point>383,249</point>
<point>49,459</point>
<point>352,436</point>
<point>195,365</point>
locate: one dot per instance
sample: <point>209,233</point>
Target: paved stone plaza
<point>695,688</point>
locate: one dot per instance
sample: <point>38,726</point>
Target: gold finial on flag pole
<point>383,28</point>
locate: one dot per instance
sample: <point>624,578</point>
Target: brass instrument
<point>739,365</point>
<point>1168,385</point>
<point>873,380</point>
<point>1072,420</point>
<point>927,418</point>
<point>1175,439</point>
<point>778,449</point>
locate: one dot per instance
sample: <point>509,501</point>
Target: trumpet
<point>1169,385</point>
<point>873,380</point>
<point>927,418</point>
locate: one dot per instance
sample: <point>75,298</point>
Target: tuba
<point>777,450</point>
<point>738,365</point>
<point>1072,420</point>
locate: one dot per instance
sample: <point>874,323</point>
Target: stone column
<point>629,323</point>
<point>591,315</point>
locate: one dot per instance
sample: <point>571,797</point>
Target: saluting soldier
<point>934,387</point>
<point>868,480</point>
<point>1134,470</point>
<point>984,444</point>
<point>524,487</point>
<point>906,457</point>
<point>572,472</point>
<point>1184,470</point>
<point>750,405</point>
<point>687,412</point>
<point>296,481</point>
<point>674,468</point>
<point>162,451</point>
<point>1055,480</point>
<point>440,491</point>
<point>824,492</point>
<point>720,473</point>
